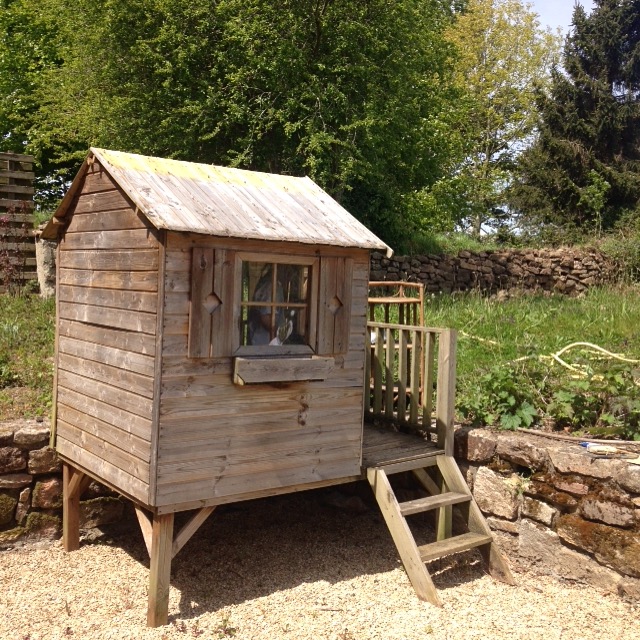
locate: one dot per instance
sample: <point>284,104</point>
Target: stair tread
<point>433,502</point>
<point>455,544</point>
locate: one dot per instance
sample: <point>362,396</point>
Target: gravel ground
<point>288,567</point>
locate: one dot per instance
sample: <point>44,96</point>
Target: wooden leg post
<point>73,484</point>
<point>160,570</point>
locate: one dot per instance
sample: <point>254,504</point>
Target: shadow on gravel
<point>248,550</point>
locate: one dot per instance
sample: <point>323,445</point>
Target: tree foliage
<point>345,92</point>
<point>584,169</point>
<point>502,55</point>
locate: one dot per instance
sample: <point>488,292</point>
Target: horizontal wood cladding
<point>138,343</point>
<point>134,321</point>
<point>274,474</point>
<point>122,280</point>
<point>118,377</point>
<point>111,220</point>
<point>127,483</point>
<point>107,393</point>
<point>123,420</point>
<point>110,239</point>
<point>114,260</point>
<point>101,202</point>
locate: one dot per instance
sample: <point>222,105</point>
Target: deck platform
<point>391,450</point>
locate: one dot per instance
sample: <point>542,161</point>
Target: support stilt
<point>160,570</point>
<point>74,482</point>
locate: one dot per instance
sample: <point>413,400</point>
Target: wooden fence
<point>17,242</point>
<point>411,372</point>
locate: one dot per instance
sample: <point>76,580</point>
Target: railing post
<point>446,390</point>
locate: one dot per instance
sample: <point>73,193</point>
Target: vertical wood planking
<point>326,319</point>
<point>344,283</point>
<point>199,317</point>
<point>446,388</point>
<point>222,318</point>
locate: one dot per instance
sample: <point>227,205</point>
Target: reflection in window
<point>275,304</point>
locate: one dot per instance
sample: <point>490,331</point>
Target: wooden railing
<point>412,372</point>
<point>402,300</point>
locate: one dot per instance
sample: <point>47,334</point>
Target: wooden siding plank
<point>120,439</point>
<point>113,260</point>
<point>287,479</point>
<point>223,289</point>
<point>104,450</point>
<point>115,376</point>
<point>115,220</point>
<point>124,482</point>
<point>126,340</point>
<point>125,239</point>
<point>199,449</point>
<point>116,298</point>
<point>115,318</point>
<point>234,401</point>
<point>119,418</point>
<point>113,396</point>
<point>97,180</point>
<point>105,201</point>
<point>123,280</point>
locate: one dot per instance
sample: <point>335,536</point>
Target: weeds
<point>502,381</point>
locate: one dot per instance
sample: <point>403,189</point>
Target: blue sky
<point>557,13</point>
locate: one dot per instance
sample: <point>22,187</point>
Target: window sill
<point>267,370</point>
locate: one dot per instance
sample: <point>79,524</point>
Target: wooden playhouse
<point>212,346</point>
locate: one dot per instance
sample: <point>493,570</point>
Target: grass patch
<point>27,331</point>
<point>503,380</point>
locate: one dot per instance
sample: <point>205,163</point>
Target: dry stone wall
<point>567,271</point>
<point>557,508</point>
<point>31,488</point>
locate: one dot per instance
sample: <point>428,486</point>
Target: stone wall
<point>557,508</point>
<point>568,271</point>
<point>553,506</point>
<point>31,488</point>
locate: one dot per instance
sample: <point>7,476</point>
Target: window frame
<point>313,263</point>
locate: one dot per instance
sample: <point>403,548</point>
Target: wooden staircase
<point>454,492</point>
<point>402,364</point>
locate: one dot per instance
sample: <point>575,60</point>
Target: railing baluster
<point>427,385</point>
<point>416,360</point>
<point>377,373</point>
<point>446,390</point>
<point>367,372</point>
<point>389,378</point>
<point>402,377</point>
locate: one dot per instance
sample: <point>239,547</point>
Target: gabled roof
<point>218,201</point>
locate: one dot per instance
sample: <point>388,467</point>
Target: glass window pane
<point>274,304</point>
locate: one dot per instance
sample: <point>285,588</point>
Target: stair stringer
<point>494,561</point>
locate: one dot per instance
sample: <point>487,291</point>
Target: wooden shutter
<point>211,309</point>
<point>334,306</point>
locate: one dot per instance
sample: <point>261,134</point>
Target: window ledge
<point>266,370</point>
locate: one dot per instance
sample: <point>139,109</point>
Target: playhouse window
<point>276,305</point>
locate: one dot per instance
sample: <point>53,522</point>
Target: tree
<point>502,55</point>
<point>584,169</point>
<point>345,92</point>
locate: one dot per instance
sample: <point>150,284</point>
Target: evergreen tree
<point>584,168</point>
